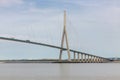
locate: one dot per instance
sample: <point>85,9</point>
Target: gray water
<point>30,71</point>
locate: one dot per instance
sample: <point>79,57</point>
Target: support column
<point>102,60</point>
<point>78,57</point>
<point>95,59</point>
<point>82,58</point>
<point>91,59</point>
<point>88,60</point>
<point>74,56</point>
<point>99,60</point>
<point>85,58</point>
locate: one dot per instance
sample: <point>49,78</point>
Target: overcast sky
<point>93,27</point>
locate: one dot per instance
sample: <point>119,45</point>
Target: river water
<point>49,71</point>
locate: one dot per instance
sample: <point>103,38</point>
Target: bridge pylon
<point>64,37</point>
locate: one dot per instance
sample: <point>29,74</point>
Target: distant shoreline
<point>45,61</point>
<point>28,61</point>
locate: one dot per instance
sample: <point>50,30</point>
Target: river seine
<point>49,71</point>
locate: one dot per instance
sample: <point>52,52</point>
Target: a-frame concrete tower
<point>64,37</point>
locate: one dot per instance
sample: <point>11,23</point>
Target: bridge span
<point>78,56</point>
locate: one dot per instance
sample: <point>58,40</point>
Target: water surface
<point>48,71</point>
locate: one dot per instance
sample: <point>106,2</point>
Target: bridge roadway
<point>86,57</point>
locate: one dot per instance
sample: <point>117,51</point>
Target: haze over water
<point>31,71</point>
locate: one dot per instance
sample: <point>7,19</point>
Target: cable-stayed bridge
<point>81,56</point>
<point>78,55</point>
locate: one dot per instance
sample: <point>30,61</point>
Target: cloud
<point>6,3</point>
<point>31,22</point>
<point>97,25</point>
<point>86,3</point>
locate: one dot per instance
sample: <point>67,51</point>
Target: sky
<point>93,27</point>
